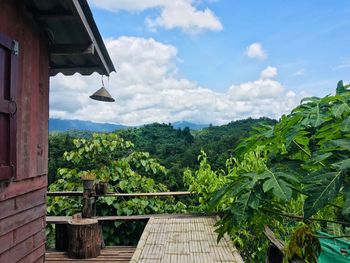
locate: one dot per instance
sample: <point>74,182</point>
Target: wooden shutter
<point>8,106</point>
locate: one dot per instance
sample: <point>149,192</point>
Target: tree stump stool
<point>84,238</point>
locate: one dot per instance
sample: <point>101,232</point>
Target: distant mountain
<point>68,125</point>
<point>192,126</point>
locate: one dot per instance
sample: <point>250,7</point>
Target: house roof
<point>75,44</point>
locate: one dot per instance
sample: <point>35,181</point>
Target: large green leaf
<point>343,165</point>
<point>244,206</point>
<point>323,188</point>
<point>318,157</point>
<point>345,126</point>
<point>279,184</point>
<point>339,109</point>
<point>339,144</point>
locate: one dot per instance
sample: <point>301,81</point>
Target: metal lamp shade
<point>102,95</point>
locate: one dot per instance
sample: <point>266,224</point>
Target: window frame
<point>9,107</point>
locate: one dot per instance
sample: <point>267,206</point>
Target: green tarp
<point>333,250</point>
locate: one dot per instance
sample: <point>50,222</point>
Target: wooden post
<point>89,208</point>
<point>84,238</point>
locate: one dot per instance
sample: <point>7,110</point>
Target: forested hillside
<point>176,149</point>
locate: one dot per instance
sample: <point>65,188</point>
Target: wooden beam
<point>273,239</point>
<point>71,49</point>
<point>147,194</point>
<point>80,193</point>
<point>91,34</point>
<point>72,193</point>
<point>65,219</point>
<point>52,17</point>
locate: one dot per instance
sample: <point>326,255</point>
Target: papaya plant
<point>294,169</point>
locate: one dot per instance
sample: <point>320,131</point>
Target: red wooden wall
<point>22,201</point>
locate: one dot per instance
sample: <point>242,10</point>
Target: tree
<point>109,155</point>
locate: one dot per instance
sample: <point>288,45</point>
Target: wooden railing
<point>65,219</point>
<point>62,221</point>
<point>80,193</point>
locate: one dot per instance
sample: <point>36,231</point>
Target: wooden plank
<point>43,116</point>
<point>66,193</point>
<point>65,219</point>
<point>80,193</point>
<point>110,250</point>
<point>71,49</point>
<point>6,242</point>
<point>23,249</point>
<point>30,199</point>
<point>53,17</point>
<point>22,202</point>
<point>31,101</point>
<point>21,187</point>
<point>147,194</point>
<point>109,254</point>
<point>28,230</point>
<point>15,221</point>
<point>7,207</point>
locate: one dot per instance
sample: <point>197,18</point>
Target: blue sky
<point>240,58</point>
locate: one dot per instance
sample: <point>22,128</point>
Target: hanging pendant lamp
<point>102,94</point>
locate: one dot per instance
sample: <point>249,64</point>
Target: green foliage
<point>178,149</point>
<point>301,164</point>
<point>173,148</point>
<point>238,206</point>
<point>108,155</point>
<point>60,142</point>
<point>312,142</point>
<point>203,183</point>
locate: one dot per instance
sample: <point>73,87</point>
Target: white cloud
<point>148,88</point>
<point>269,72</point>
<point>256,51</point>
<point>181,14</point>
<point>259,89</point>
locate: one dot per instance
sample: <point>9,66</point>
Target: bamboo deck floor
<point>187,240</point>
<point>108,255</point>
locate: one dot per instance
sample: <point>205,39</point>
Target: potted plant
<point>102,185</point>
<point>88,180</point>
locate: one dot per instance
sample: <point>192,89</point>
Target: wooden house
<point>38,39</point>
